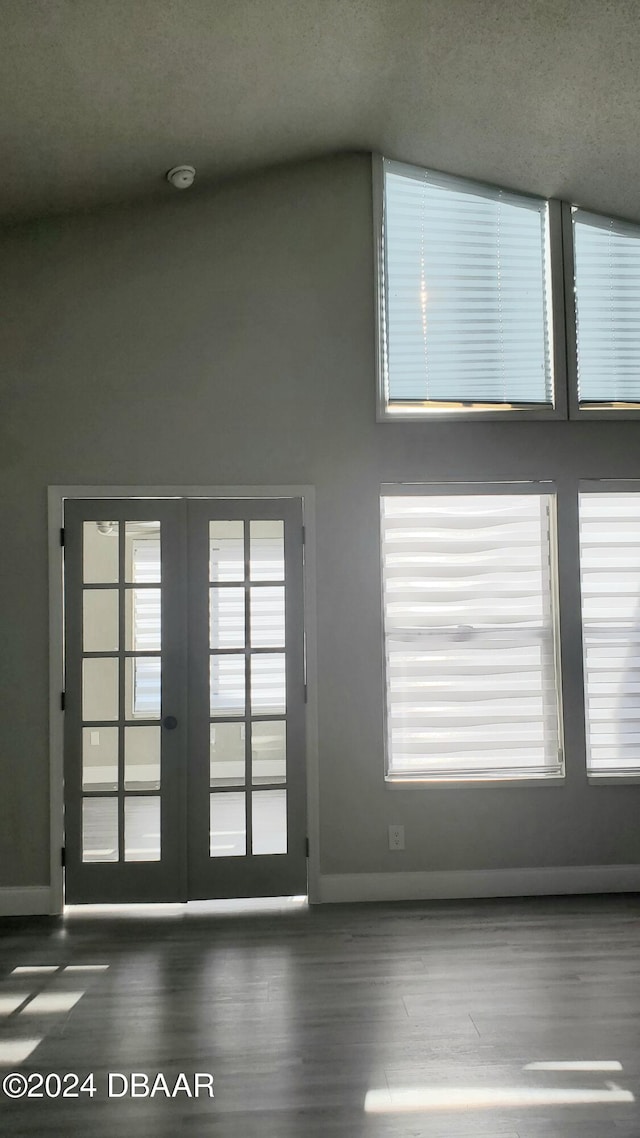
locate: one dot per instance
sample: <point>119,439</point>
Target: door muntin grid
<point>121,782</point>
<point>248,697</point>
<point>256,726</point>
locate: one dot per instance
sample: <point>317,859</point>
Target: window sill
<point>613,779</point>
<point>424,413</point>
<point>599,411</point>
<point>398,782</point>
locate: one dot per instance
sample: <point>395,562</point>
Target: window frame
<point>481,780</point>
<point>576,410</point>
<point>600,486</point>
<point>386,411</point>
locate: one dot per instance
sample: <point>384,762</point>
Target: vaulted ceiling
<point>98,98</point>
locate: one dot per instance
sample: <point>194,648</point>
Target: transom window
<point>466,322</point>
<point>607,311</point>
<point>498,305</point>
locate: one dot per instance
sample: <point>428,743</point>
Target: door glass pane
<point>267,550</point>
<point>100,688</point>
<point>142,758</point>
<point>226,551</point>
<point>100,620</point>
<point>142,552</point>
<point>143,620</point>
<point>227,685</point>
<point>142,828</point>
<point>100,553</point>
<point>227,825</point>
<point>99,758</point>
<point>143,676</point>
<point>226,618</point>
<point>269,821</point>
<point>268,752</point>
<point>227,746</point>
<point>100,829</point>
<point>268,684</point>
<point>267,617</point>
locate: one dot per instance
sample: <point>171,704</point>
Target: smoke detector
<point>181,177</point>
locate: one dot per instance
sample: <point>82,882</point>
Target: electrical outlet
<point>396,837</point>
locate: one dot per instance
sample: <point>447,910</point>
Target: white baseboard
<point>30,901</point>
<point>451,884</point>
<point>455,884</point>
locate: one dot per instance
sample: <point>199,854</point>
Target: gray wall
<point>228,337</point>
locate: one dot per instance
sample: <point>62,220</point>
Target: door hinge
<point>305,693</point>
<point>306,847</point>
<point>304,534</point>
<point>63,856</point>
<point>62,695</point>
<point>62,537</point>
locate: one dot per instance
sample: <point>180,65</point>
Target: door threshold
<point>226,907</point>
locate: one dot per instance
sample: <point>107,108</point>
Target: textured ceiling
<point>98,98</point>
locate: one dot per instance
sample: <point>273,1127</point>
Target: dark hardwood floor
<point>302,1015</point>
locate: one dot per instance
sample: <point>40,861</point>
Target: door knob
<point>170,722</point>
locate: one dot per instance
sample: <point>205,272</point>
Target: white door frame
<point>56,498</point>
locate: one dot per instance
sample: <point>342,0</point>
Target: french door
<point>184,700</point>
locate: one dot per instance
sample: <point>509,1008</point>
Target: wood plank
<point>299,1014</point>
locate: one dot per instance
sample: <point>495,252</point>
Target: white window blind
<point>469,636</point>
<point>607,296</point>
<point>466,318</point>
<point>610,582</point>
